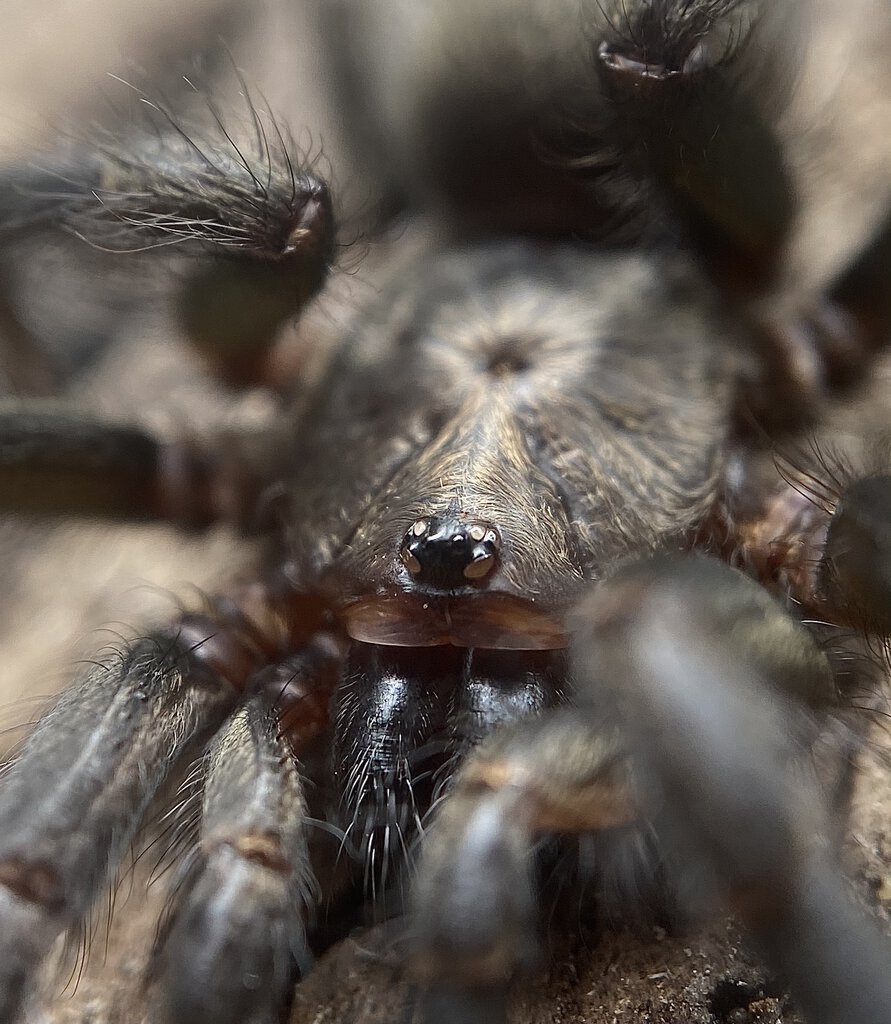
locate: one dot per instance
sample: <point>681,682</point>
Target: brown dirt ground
<point>64,582</point>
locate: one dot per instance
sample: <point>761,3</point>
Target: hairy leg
<point>235,935</point>
<point>720,696</point>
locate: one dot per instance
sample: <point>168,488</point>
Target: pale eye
<point>480,567</point>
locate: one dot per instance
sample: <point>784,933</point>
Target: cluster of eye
<point>444,550</point>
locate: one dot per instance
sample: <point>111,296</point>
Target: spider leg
<point>821,540</point>
<point>24,368</point>
<point>826,344</point>
<point>699,699</point>
<point>474,898</point>
<point>693,89</point>
<point>230,946</point>
<point>862,294</point>
<point>256,224</point>
<point>717,694</point>
<point>55,461</point>
<point>71,802</point>
<point>855,570</point>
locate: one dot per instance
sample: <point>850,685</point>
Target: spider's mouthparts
<point>493,620</point>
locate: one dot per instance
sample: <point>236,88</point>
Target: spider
<point>528,605</point>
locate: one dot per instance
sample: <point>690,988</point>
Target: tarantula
<point>527,602</point>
